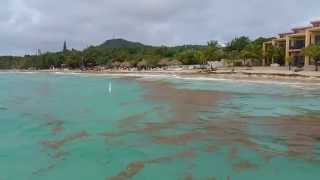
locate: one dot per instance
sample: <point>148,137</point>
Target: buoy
<point>110,87</point>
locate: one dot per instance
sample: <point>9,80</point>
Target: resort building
<point>292,43</point>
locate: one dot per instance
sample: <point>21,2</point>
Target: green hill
<point>122,43</point>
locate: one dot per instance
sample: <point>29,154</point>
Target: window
<point>298,44</point>
<point>317,39</point>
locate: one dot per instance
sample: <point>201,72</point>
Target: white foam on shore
<point>19,72</point>
<point>304,85</point>
<point>155,76</point>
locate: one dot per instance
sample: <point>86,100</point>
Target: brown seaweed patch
<point>148,129</point>
<point>57,129</point>
<point>185,102</point>
<point>157,127</point>
<point>245,166</point>
<point>116,134</point>
<point>211,147</point>
<point>134,168</point>
<point>54,123</point>
<point>188,177</point>
<point>130,103</point>
<point>299,133</point>
<point>132,120</point>
<point>59,154</point>
<point>228,132</point>
<point>131,170</point>
<point>186,154</point>
<point>181,138</point>
<point>43,170</point>
<point>67,139</point>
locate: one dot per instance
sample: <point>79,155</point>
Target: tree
<point>279,54</point>
<point>289,59</point>
<point>270,53</point>
<point>189,57</point>
<point>238,44</point>
<point>73,59</point>
<point>256,46</point>
<point>133,54</point>
<point>212,52</point>
<point>251,51</point>
<point>233,55</point>
<point>313,51</point>
<point>276,53</point>
<point>65,46</point>
<point>246,54</point>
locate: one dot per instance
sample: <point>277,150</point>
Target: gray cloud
<point>26,25</point>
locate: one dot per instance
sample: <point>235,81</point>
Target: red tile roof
<point>301,28</point>
<point>285,33</point>
<point>315,23</point>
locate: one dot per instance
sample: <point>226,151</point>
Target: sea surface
<point>81,126</point>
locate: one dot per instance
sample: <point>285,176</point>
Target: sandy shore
<point>261,74</point>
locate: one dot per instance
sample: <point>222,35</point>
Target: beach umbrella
<point>142,63</point>
<point>175,63</point>
<point>126,64</point>
<point>116,64</point>
<point>164,62</point>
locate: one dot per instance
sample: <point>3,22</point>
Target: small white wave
<point>19,72</point>
<point>304,85</point>
<point>155,76</point>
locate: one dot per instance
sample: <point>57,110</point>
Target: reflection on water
<point>69,127</point>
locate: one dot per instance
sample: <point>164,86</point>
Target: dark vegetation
<point>120,52</point>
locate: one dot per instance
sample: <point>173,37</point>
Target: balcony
<point>298,44</point>
<point>297,47</point>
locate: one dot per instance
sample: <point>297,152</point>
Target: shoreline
<point>258,76</point>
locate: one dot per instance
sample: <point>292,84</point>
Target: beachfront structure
<point>292,44</point>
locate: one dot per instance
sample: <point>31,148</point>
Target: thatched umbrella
<point>116,64</point>
<point>164,62</point>
<point>126,64</point>
<point>175,63</point>
<point>142,63</point>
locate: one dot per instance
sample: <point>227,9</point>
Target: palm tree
<point>270,54</point>
<point>279,54</point>
<point>233,55</point>
<point>212,52</point>
<point>313,51</point>
<point>276,53</point>
<point>289,59</point>
<point>246,54</point>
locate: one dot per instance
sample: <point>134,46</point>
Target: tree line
<point>239,48</point>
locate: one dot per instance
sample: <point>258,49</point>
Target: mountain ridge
<point>122,43</point>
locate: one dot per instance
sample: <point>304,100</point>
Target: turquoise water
<point>70,127</point>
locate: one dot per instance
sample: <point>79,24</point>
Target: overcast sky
<point>26,25</point>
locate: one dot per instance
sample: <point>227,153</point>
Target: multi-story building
<point>292,44</point>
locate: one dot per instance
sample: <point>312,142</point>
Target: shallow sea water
<point>56,126</point>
